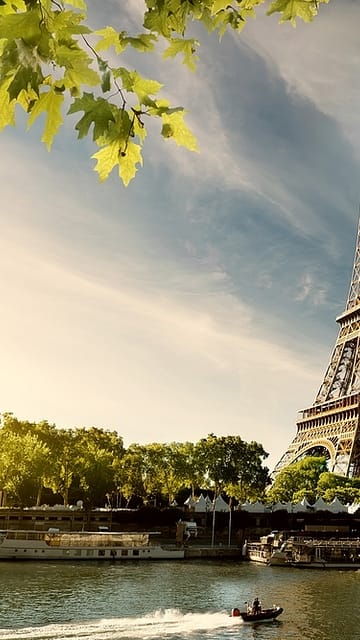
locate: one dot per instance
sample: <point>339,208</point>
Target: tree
<point>23,461</point>
<point>189,469</point>
<point>129,473</point>
<point>97,452</point>
<point>332,485</point>
<point>252,476</point>
<point>233,465</point>
<point>65,460</point>
<point>50,60</point>
<point>298,480</point>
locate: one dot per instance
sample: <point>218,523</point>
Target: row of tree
<point>42,463</point>
<point>310,479</point>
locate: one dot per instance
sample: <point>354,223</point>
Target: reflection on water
<point>173,600</point>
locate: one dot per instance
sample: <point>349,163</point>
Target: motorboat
<point>261,615</point>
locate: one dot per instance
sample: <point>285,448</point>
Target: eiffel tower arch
<point>330,426</point>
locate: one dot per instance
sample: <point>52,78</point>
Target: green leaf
<point>110,38</point>
<point>219,5</point>
<point>24,25</point>
<point>112,154</point>
<point>120,40</point>
<point>128,162</point>
<point>292,9</point>
<point>25,78</point>
<point>63,24</point>
<point>76,63</point>
<point>142,42</point>
<point>49,102</point>
<point>97,111</point>
<point>134,82</point>
<point>78,4</point>
<point>186,47</point>
<point>10,6</point>
<point>7,107</point>
<point>181,133</point>
<point>107,158</point>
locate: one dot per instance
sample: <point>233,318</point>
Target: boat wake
<point>166,623</point>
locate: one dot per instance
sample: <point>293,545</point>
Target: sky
<point>202,298</point>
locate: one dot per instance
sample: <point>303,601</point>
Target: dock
<point>213,552</point>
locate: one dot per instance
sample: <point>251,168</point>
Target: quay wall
<point>211,530</point>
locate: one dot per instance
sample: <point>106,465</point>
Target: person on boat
<point>256,606</point>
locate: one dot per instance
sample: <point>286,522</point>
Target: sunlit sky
<point>202,298</point>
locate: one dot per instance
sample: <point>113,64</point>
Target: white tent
<point>220,504</point>
<point>189,502</point>
<point>200,504</point>
<point>336,506</point>
<point>321,505</point>
<point>352,508</point>
<point>282,506</point>
<point>304,505</point>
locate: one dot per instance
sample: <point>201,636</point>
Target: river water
<point>173,600</point>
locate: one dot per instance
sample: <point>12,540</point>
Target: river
<point>173,600</point>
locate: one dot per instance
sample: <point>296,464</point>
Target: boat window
<point>124,552</point>
<point>135,552</point>
<point>101,552</point>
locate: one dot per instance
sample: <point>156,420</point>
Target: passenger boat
<point>262,615</point>
<point>263,550</point>
<point>82,545</point>
<point>318,554</point>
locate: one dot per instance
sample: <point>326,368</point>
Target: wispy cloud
<point>174,307</point>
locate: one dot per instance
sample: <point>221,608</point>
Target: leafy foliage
<point>49,58</point>
<point>93,465</point>
<point>232,465</point>
<point>307,478</point>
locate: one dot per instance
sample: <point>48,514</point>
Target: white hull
<point>34,545</point>
<point>318,554</point>
<point>319,564</point>
<point>259,556</point>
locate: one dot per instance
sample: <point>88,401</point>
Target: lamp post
<point>229,541</point>
<point>213,523</point>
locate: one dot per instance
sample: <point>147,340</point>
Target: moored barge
<point>82,545</point>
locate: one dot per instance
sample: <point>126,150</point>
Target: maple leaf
<point>78,4</point>
<point>128,161</point>
<point>107,158</point>
<point>175,127</point>
<point>7,107</point>
<point>49,102</point>
<point>292,9</point>
<point>96,111</point>
<point>186,47</point>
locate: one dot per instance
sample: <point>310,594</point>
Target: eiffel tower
<point>330,427</point>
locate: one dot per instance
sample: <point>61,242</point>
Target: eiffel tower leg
<point>331,426</point>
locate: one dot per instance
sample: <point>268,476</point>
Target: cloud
<point>309,61</point>
<point>202,297</point>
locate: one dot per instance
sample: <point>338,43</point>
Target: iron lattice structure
<point>330,426</point>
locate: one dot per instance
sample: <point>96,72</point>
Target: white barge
<point>82,545</point>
